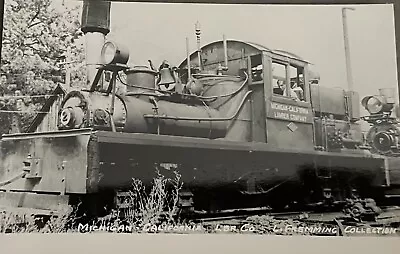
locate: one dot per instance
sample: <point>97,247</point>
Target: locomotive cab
<point>279,120</point>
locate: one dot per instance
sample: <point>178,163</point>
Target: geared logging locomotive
<point>244,125</point>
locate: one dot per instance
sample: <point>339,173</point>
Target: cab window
<point>256,68</point>
<point>283,73</point>
<point>278,78</point>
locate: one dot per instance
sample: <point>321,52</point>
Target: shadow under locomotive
<point>226,175</point>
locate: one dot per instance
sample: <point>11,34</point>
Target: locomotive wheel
<point>356,210</point>
<point>382,139</point>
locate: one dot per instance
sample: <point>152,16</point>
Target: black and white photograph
<point>189,118</point>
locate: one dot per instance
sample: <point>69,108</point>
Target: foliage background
<point>37,37</point>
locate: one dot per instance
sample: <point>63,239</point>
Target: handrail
<point>13,179</point>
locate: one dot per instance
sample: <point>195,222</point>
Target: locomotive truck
<point>218,118</point>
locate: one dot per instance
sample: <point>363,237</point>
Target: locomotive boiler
<point>218,118</point>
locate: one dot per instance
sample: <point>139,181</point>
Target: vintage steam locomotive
<point>228,119</point>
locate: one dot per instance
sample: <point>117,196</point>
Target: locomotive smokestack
<point>95,26</point>
<point>347,48</point>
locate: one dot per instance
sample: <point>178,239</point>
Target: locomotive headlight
<point>113,53</point>
<point>376,104</point>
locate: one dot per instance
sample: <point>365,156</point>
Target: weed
<point>19,221</point>
<point>158,205</point>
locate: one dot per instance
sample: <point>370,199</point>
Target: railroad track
<point>304,223</point>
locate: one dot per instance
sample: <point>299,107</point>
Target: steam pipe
<point>203,119</point>
<point>225,51</point>
<point>198,32</point>
<point>13,179</point>
<point>114,85</point>
<point>112,123</point>
<point>192,95</point>
<point>188,58</point>
<point>229,94</point>
<point>156,107</point>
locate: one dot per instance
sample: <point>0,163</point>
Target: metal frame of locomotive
<point>235,143</point>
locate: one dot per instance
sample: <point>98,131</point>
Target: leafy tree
<point>37,34</point>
